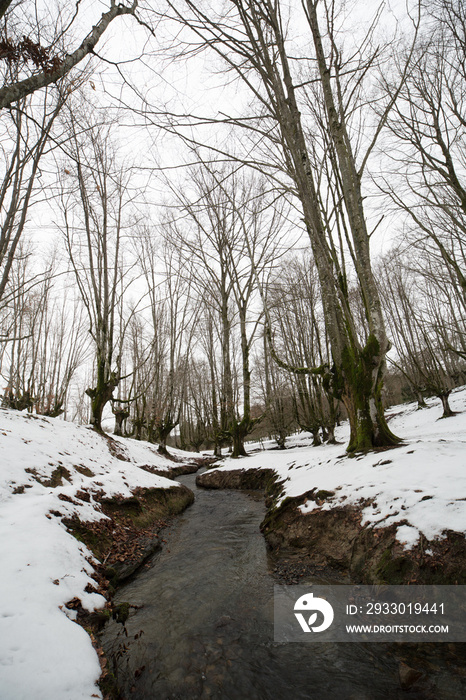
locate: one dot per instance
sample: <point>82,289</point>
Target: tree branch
<point>16,91</point>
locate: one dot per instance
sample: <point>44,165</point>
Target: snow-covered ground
<point>423,482</point>
<point>44,655</point>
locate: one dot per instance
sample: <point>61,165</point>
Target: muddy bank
<point>248,479</point>
<point>336,539</point>
<point>130,534</point>
<point>122,543</point>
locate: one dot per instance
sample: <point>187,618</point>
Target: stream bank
<point>335,538</point>
<point>121,543</point>
<point>200,624</point>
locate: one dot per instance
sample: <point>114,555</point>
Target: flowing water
<point>202,625</point>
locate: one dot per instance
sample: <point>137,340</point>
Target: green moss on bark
<point>361,380</point>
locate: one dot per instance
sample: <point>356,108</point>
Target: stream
<point>202,625</point>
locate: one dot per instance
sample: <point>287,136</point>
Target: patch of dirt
<point>116,449</point>
<point>56,478</point>
<point>85,471</point>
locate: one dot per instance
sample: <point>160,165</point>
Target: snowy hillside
<point>46,466</point>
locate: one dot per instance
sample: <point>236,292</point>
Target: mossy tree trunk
<point>362,369</point>
<point>359,371</point>
<point>162,430</point>
<point>361,381</point>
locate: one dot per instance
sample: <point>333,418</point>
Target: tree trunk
<point>162,449</point>
<point>163,428</point>
<point>227,415</point>
<point>361,393</point>
<point>447,411</point>
<point>121,414</point>
<point>215,419</point>
<point>330,435</point>
<point>238,432</point>
<point>101,394</point>
<point>420,401</point>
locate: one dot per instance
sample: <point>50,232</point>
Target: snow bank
<point>423,482</point>
<point>44,655</point>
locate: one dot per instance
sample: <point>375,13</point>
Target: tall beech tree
<point>251,38</point>
<point>94,199</point>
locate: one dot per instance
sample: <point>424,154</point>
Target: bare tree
<point>231,239</point>
<point>45,344</point>
<point>420,324</point>
<point>38,50</point>
<point>161,374</point>
<point>428,125</point>
<point>94,201</point>
<point>252,40</point>
<point>196,428</point>
<point>25,139</point>
<point>296,315</point>
<point>276,394</point>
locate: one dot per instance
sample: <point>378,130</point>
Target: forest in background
<point>210,271</point>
